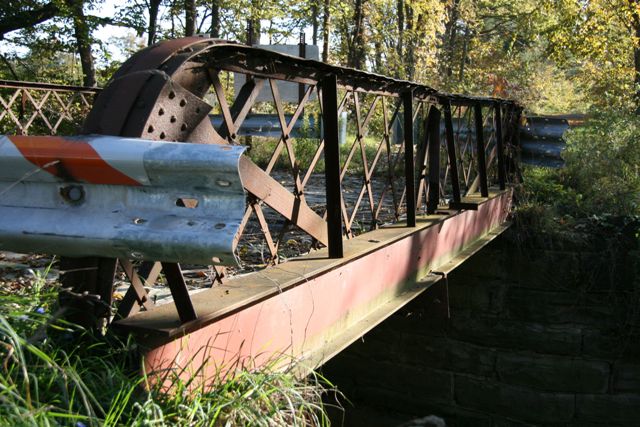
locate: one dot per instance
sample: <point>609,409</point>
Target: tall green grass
<point>53,373</point>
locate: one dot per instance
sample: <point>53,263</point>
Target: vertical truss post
<point>451,150</point>
<point>517,118</point>
<point>407,100</point>
<point>179,291</point>
<point>482,165</point>
<point>497,118</point>
<point>333,188</point>
<point>509,142</point>
<point>302,53</point>
<point>433,135</point>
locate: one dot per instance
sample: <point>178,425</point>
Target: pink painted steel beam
<point>311,307</point>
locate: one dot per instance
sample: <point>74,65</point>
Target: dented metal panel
<point>120,197</point>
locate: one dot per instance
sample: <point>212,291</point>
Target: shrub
<point>602,163</point>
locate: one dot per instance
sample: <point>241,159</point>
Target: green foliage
<point>56,374</point>
<point>305,149</point>
<point>596,41</point>
<point>553,55</point>
<point>602,163</point>
<point>601,179</point>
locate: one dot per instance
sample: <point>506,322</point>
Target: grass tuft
<point>53,373</point>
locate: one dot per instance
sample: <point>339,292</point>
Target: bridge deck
<point>312,306</point>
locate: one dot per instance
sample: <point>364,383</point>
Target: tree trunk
<point>400,42</point>
<point>356,55</point>
<point>410,48</point>
<point>83,41</point>
<point>636,63</point>
<point>189,17</point>
<point>254,29</point>
<point>154,7</point>
<point>326,30</point>
<point>463,57</point>
<point>450,36</point>
<point>378,58</point>
<point>314,22</point>
<point>215,18</point>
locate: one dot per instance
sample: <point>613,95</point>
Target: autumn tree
<point>24,15</point>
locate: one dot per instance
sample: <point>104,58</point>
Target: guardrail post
<point>451,150</point>
<point>433,131</point>
<point>333,188</point>
<point>497,118</point>
<point>482,165</point>
<point>407,99</point>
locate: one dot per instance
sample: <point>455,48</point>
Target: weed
<point>55,373</point>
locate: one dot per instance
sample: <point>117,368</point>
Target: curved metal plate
<point>183,202</point>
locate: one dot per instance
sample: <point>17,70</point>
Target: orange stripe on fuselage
<point>70,160</point>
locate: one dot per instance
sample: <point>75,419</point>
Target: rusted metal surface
<point>199,69</point>
<point>332,166</point>
<point>312,307</point>
<point>170,91</point>
<point>31,108</point>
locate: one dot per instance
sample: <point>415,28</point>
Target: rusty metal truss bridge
<point>422,180</point>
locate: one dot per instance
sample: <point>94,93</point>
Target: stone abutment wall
<point>543,333</point>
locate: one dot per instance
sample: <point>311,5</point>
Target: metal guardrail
<point>541,140</point>
<point>120,197</point>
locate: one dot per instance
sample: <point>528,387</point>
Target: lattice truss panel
<point>291,153</point>
<point>42,109</point>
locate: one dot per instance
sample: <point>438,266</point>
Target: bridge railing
<point>456,145</point>
<point>31,108</point>
<point>407,148</point>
